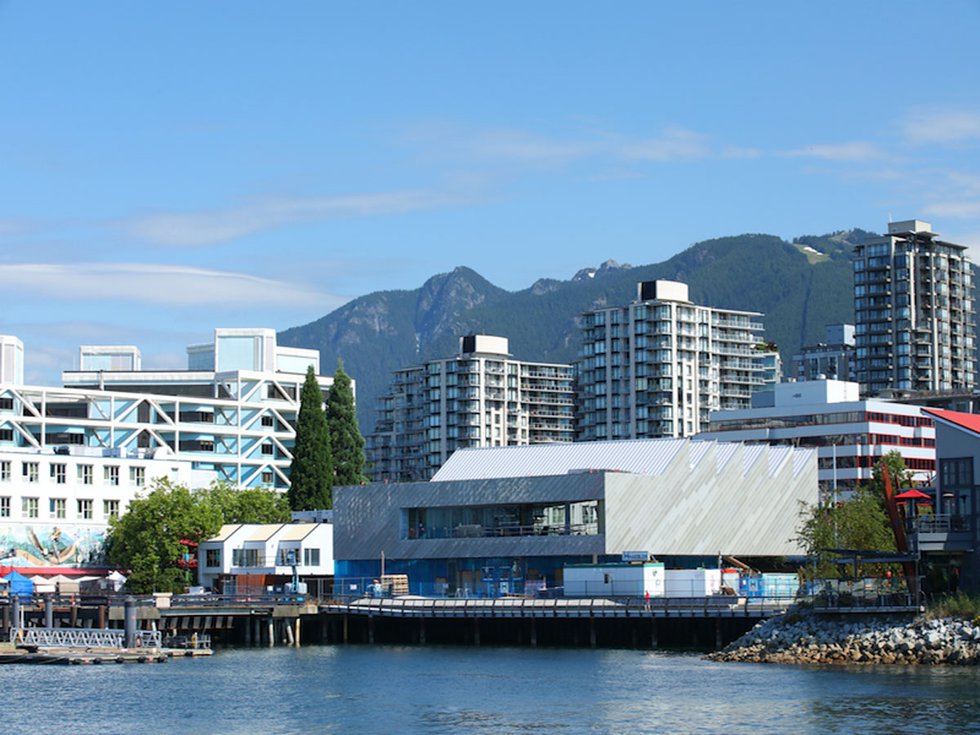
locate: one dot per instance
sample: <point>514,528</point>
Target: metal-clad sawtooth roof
<point>651,457</point>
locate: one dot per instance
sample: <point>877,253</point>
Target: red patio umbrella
<point>913,494</point>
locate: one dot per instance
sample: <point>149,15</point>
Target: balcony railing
<point>476,530</point>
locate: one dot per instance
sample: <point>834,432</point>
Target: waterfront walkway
<point>520,607</point>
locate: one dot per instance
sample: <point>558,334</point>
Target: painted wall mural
<point>52,545</point>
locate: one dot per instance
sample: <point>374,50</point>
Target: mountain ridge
<point>383,331</point>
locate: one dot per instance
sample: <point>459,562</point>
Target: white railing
<point>84,638</point>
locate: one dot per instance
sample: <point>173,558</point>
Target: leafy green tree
<point>146,540</point>
<point>346,442</point>
<point>311,473</point>
<point>897,471</point>
<point>860,523</point>
<point>248,505</point>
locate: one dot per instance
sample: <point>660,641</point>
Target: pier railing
<point>84,638</point>
<point>528,607</point>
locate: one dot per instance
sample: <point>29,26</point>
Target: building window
<point>29,507</point>
<point>58,473</point>
<point>6,435</point>
<point>111,474</point>
<point>956,473</point>
<point>311,557</point>
<point>4,506</point>
<point>212,558</point>
<point>245,557</point>
<point>137,476</point>
<point>84,472</point>
<point>5,471</point>
<point>110,508</point>
<point>57,507</point>
<point>268,421</point>
<point>31,471</point>
<point>85,509</point>
<point>267,477</point>
<point>268,449</point>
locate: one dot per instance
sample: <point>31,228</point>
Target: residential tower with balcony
<point>658,366</point>
<point>480,397</point>
<point>914,312</point>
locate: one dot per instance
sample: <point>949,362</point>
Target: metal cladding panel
<point>778,457</point>
<point>641,456</point>
<point>801,461</point>
<point>705,512</point>
<point>724,454</point>
<point>752,453</point>
<point>368,518</point>
<point>699,451</point>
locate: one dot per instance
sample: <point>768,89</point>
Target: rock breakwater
<point>795,638</point>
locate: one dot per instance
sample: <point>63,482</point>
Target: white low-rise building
<point>269,550</point>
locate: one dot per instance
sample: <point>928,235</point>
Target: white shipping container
<point>614,580</point>
<point>692,582</point>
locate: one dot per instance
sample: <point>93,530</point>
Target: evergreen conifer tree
<point>311,473</point>
<point>346,442</point>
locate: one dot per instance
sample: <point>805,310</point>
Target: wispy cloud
<point>669,144</point>
<point>962,209</point>
<point>168,285</point>
<point>955,194</point>
<point>523,146</point>
<point>672,145</point>
<point>219,225</point>
<point>858,150</point>
<point>942,126</point>
<point>733,151</point>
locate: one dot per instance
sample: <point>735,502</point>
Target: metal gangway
<point>84,638</point>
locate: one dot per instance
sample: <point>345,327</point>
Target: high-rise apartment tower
<point>481,397</point>
<point>658,366</point>
<point>914,312</point>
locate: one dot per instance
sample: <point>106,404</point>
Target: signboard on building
<point>636,556</point>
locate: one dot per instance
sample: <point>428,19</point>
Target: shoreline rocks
<point>804,638</point>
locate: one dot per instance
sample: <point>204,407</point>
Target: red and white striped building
<point>851,435</point>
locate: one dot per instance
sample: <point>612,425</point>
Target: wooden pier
<point>273,620</point>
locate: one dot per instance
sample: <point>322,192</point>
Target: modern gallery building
<point>500,520</point>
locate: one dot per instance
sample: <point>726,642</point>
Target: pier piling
<point>129,622</point>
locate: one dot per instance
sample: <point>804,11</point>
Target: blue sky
<point>166,168</point>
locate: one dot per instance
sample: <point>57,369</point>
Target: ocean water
<point>411,689</point>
